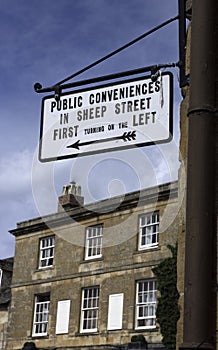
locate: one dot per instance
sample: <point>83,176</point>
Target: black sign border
<point>112,149</point>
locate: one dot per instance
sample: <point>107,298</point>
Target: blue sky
<point>46,41</point>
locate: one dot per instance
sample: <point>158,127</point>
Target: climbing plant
<point>167,307</point>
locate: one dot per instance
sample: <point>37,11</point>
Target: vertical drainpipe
<point>199,305</point>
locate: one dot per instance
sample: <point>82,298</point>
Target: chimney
<point>70,198</point>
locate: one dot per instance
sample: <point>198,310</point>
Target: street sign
<point>122,115</point>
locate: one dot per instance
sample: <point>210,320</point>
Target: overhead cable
<point>113,53</point>
<point>57,87</point>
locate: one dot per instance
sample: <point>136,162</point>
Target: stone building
<point>6,268</point>
<point>83,276</point>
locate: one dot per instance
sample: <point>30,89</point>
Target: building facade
<point>6,268</point>
<point>83,277</point>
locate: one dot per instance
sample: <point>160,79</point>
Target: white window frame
<point>94,238</point>
<point>89,310</point>
<point>148,230</point>
<point>46,252</point>
<point>146,303</point>
<point>41,315</point>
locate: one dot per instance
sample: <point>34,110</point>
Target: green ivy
<point>167,308</point>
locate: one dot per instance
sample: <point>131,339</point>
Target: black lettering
<point>117,108</point>
<point>70,132</point>
<point>97,98</point>
<point>136,105</point>
<point>91,113</point>
<point>103,109</point>
<point>70,103</point>
<point>115,94</point>
<point>59,105</point>
<point>150,89</point>
<point>123,106</point>
<point>110,94</point>
<point>138,90</point>
<point>122,92</point>
<point>85,114</point>
<point>64,133</point>
<point>76,129</point>
<point>65,103</point>
<point>97,112</point>
<point>144,89</point>
<point>148,100</point>
<point>104,96</point>
<point>53,104</point>
<point>91,99</point>
<point>147,117</point>
<point>157,86</point>
<point>79,116</point>
<point>131,91</point>
<point>141,119</point>
<point>142,103</point>
<point>134,121</point>
<point>153,116</point>
<point>127,92</point>
<point>55,134</point>
<point>64,118</point>
<point>80,101</point>
<point>129,106</point>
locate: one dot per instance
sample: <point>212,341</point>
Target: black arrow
<point>127,136</point>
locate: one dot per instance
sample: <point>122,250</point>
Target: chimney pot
<point>71,197</point>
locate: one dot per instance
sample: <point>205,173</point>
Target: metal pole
<point>182,43</point>
<point>199,305</point>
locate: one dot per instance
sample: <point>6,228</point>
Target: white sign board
<point>126,114</point>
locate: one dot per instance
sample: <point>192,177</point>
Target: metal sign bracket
<point>184,78</point>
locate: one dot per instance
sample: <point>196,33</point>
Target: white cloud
<point>16,198</point>
<point>15,174</point>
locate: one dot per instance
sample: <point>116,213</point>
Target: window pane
<point>94,237</point>
<point>46,252</point>
<point>40,323</point>
<point>148,230</point>
<point>89,312</point>
<point>146,304</point>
